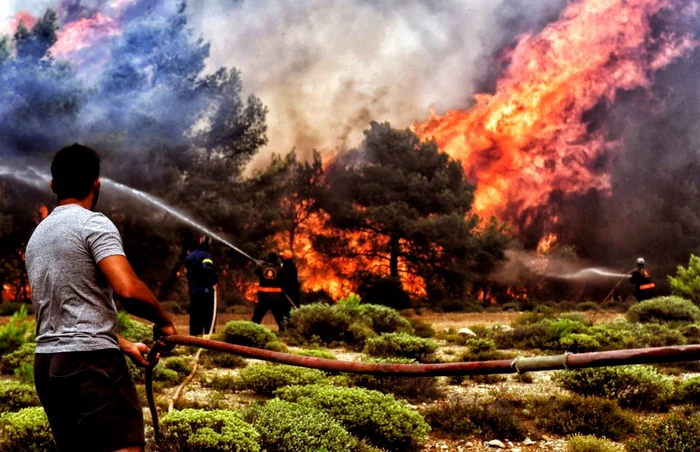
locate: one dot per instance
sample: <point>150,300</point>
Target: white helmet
<point>640,261</point>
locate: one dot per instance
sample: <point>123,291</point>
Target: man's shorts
<point>90,400</point>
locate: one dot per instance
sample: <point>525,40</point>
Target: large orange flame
<point>530,138</point>
<point>82,33</point>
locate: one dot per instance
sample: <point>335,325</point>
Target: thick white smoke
<point>325,68</point>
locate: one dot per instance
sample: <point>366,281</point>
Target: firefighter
<point>642,281</point>
<point>201,280</point>
<point>292,276</point>
<point>270,294</point>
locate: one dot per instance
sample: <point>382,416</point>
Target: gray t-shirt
<point>72,299</point>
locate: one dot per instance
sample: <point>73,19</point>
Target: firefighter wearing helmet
<point>291,274</point>
<point>642,280</point>
<point>271,296</point>
<point>201,280</point>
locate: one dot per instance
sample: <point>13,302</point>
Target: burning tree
<point>406,207</point>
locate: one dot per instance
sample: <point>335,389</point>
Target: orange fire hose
<point>568,361</point>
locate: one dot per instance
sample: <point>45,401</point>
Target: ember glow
<point>83,33</point>
<point>534,136</point>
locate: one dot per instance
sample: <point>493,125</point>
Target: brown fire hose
<point>568,361</point>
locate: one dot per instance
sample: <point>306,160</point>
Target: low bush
<point>15,396</point>
<point>26,431</point>
<point>422,329</point>
<point>290,427</point>
<point>382,319</point>
<point>379,418</point>
<point>673,433</point>
<point>587,306</point>
<point>12,361</point>
<point>316,354</point>
<point>401,345</point>
<point>324,324</point>
<point>249,334</point>
<point>589,443</point>
<point>265,379</point>
<point>207,431</point>
<point>161,374</point>
<point>133,330</point>
<point>414,389</point>
<point>25,373</point>
<point>460,418</point>
<point>11,307</point>
<point>664,309</point>
<point>689,391</point>
<point>583,415</point>
<point>579,343</point>
<point>183,365</point>
<point>18,331</point>
<point>543,334</point>
<point>222,359</point>
<point>637,387</point>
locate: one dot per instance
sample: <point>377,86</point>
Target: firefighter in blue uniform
<point>270,294</point>
<point>642,281</point>
<point>201,280</point>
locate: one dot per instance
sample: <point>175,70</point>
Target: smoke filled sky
<point>325,68</point>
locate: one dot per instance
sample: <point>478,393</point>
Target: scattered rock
<point>466,332</point>
<point>469,444</point>
<point>496,443</point>
<point>528,442</point>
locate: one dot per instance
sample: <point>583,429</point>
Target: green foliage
<point>637,387</point>
<point>324,354</point>
<point>401,345</point>
<point>670,434</point>
<point>537,330</point>
<point>183,365</point>
<point>249,334</point>
<point>587,306</point>
<point>324,324</point>
<point>18,331</point>
<point>414,389</point>
<point>422,329</point>
<point>207,431</point>
<point>481,345</point>
<point>379,418</point>
<point>26,431</point>
<point>14,360</point>
<point>9,308</point>
<point>459,418</point>
<point>686,283</point>
<point>689,391</point>
<point>266,378</point>
<point>664,309</point>
<point>161,374</point>
<point>290,427</point>
<point>382,319</point>
<point>133,330</point>
<point>25,373</point>
<point>222,359</point>
<point>14,396</point>
<point>589,443</point>
<point>579,343</point>
<point>584,415</point>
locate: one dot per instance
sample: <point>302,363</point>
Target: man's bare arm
<point>136,298</point>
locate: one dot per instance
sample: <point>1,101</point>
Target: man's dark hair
<point>75,169</point>
<point>272,258</point>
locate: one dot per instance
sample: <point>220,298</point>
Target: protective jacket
<point>201,277</point>
<point>644,285</point>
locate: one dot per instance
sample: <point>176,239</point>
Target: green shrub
<point>411,388</point>
<point>207,431</point>
<point>382,319</point>
<point>670,434</point>
<point>664,309</point>
<point>587,306</point>
<point>481,345</point>
<point>689,391</point>
<point>584,415</point>
<point>183,365</point>
<point>26,431</point>
<point>401,345</point>
<point>379,418</point>
<point>161,374</point>
<point>133,330</point>
<point>18,331</point>
<point>25,373</point>
<point>249,334</point>
<point>12,361</point>
<point>222,359</point>
<point>316,354</point>
<point>265,378</point>
<point>461,418</point>
<point>323,324</point>
<point>422,329</point>
<point>589,443</point>
<point>11,307</point>
<point>659,335</point>
<point>638,387</point>
<point>14,396</point>
<point>290,427</point>
<point>686,283</point>
<point>579,343</point>
<point>544,334</point>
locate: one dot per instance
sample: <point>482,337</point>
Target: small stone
<point>515,449</point>
<point>469,444</point>
<point>466,332</point>
<point>496,443</point>
<point>528,442</point>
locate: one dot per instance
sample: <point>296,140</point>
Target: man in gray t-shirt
<point>75,260</point>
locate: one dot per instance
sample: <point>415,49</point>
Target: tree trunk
<point>394,257</point>
<point>170,283</point>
